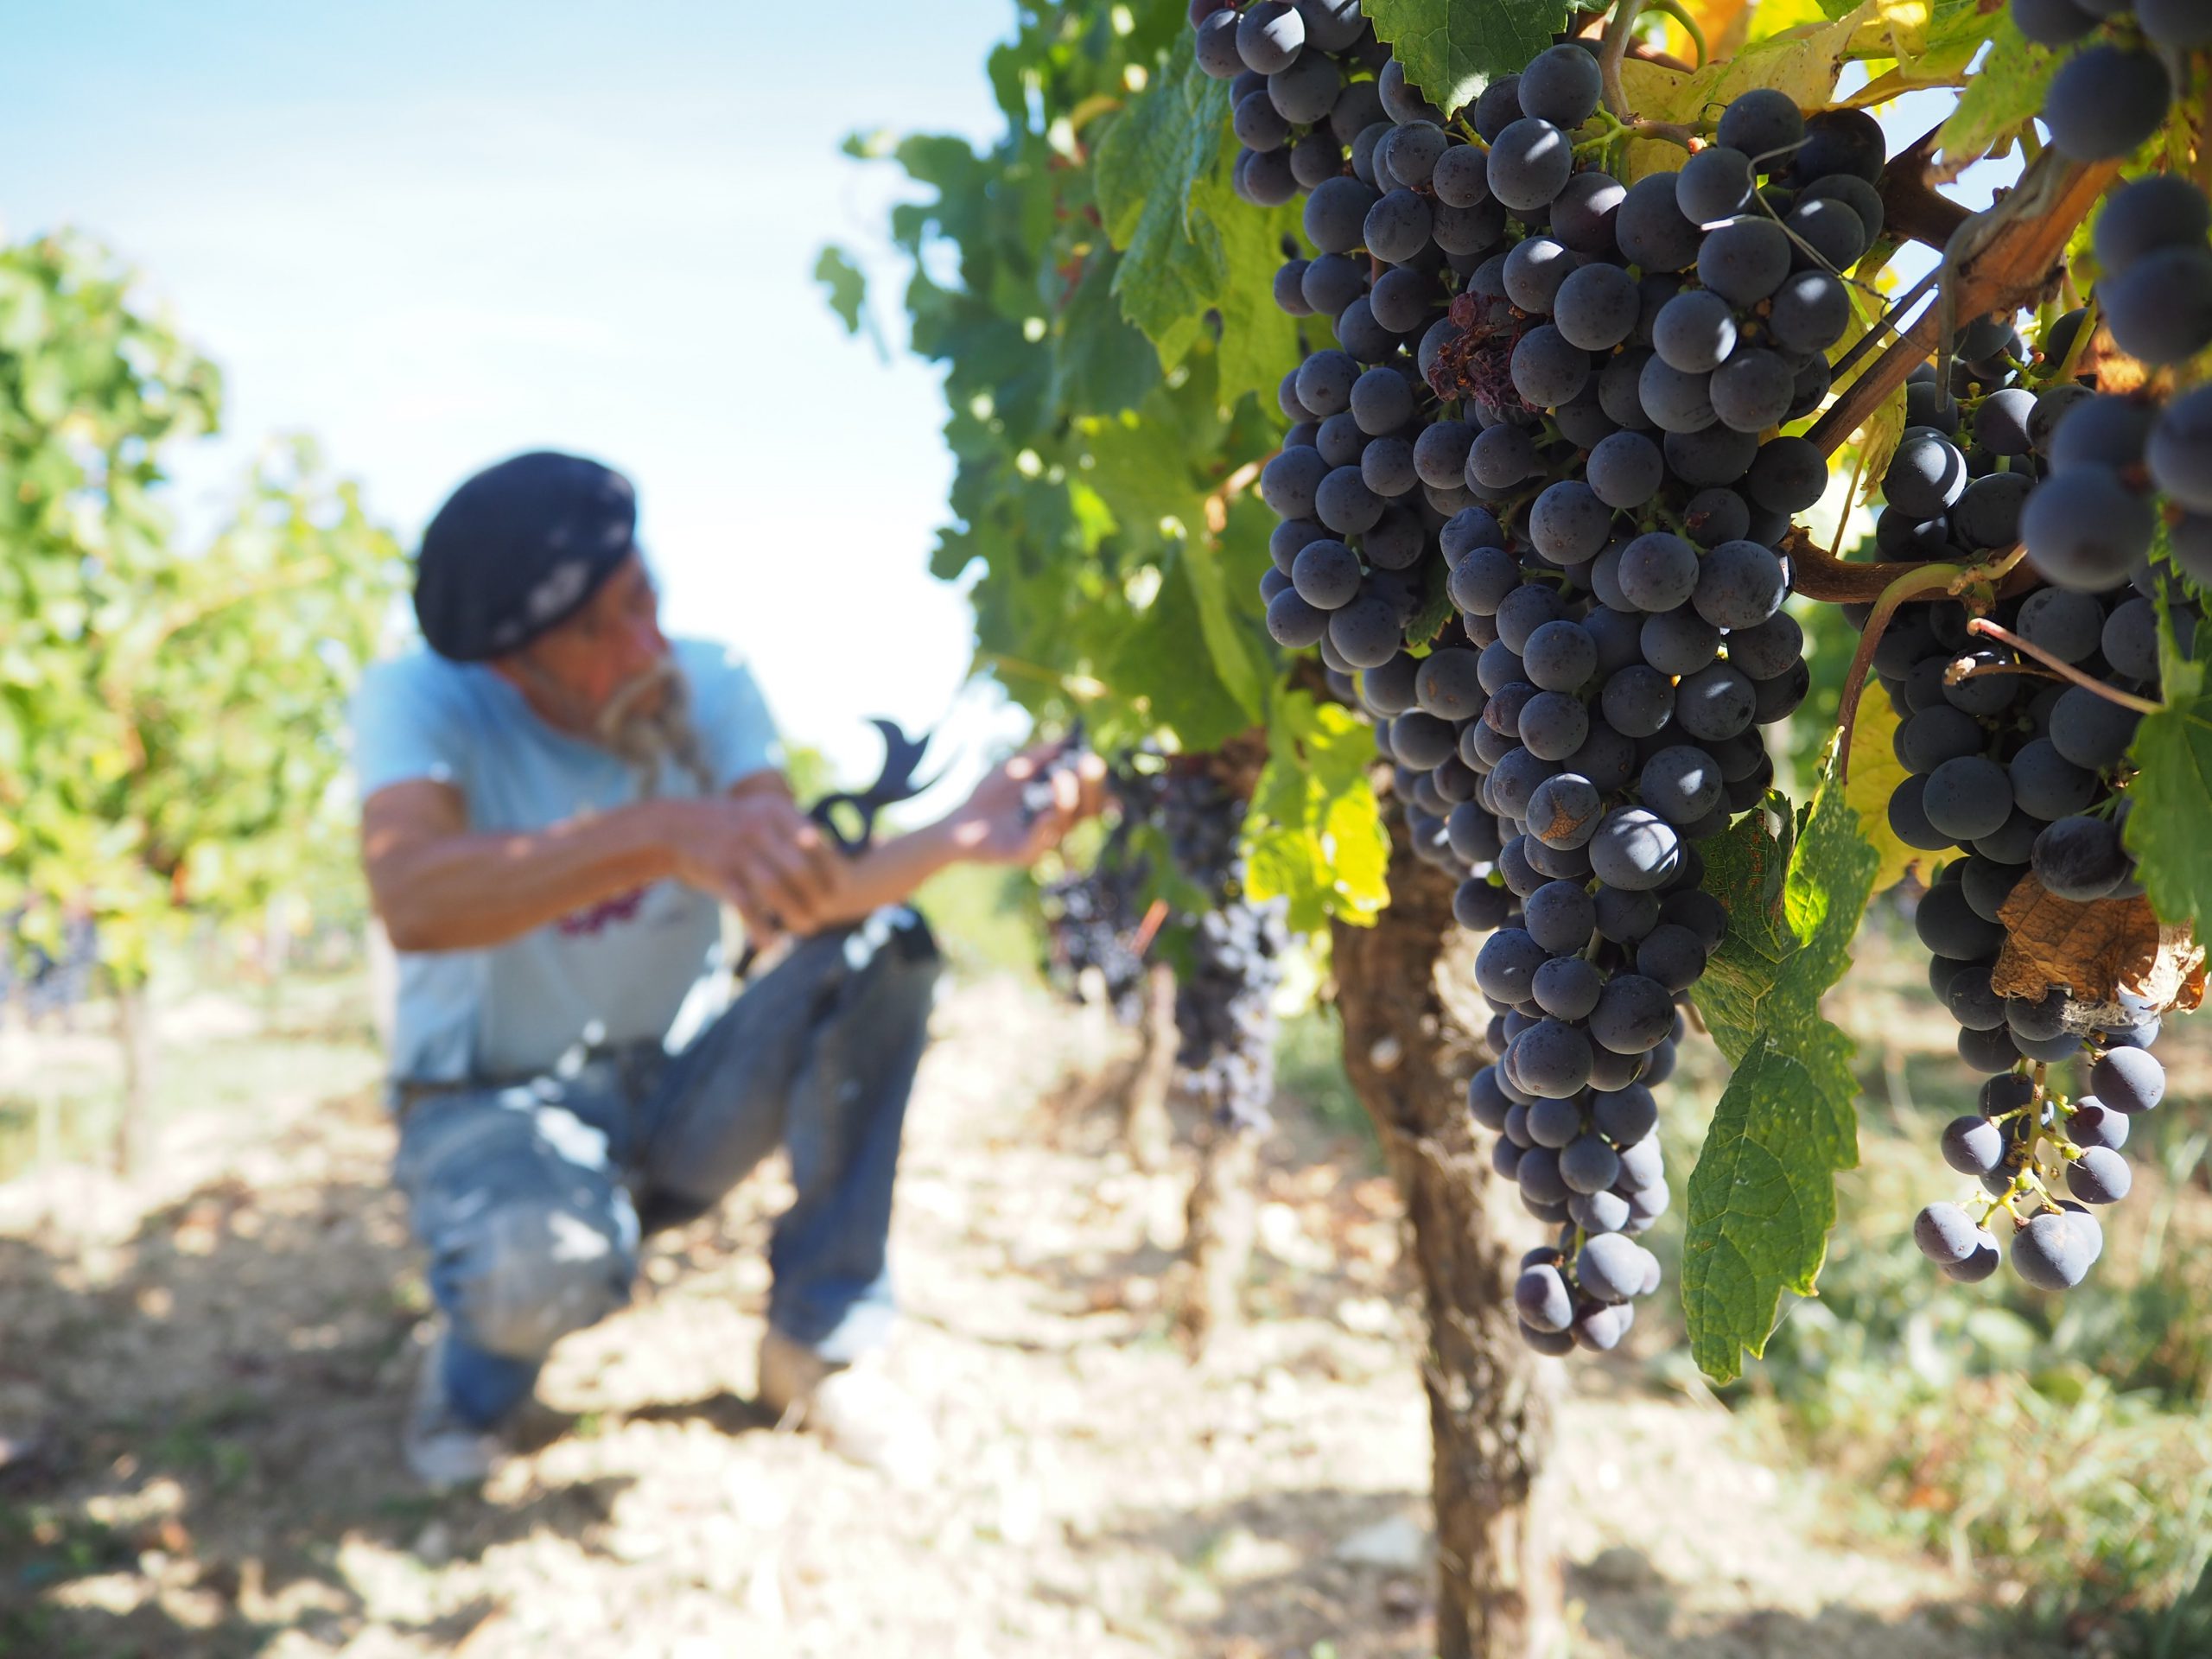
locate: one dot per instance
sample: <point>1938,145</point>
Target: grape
<point>2099,1175</point>
<point>1366,632</point>
<point>1547,370</point>
<point>1567,988</point>
<point>1947,927</point>
<point>1926,474</point>
<point>1217,46</point>
<point>2129,639</point>
<point>1611,1266</point>
<point>1542,1298</point>
<point>1588,1166</point>
<point>1651,226</point>
<point>1306,93</point>
<point>2094,1124</point>
<point>2180,450</point>
<point>1269,36</point>
<point>1386,466</point>
<point>1624,470</point>
<point>1397,226</point>
<point>1258,124</point>
<point>1694,332</point>
<point>1841,141</point>
<point>1744,260</point>
<point>1324,382</point>
<point>2129,1081</point>
<point>1421,740</point>
<point>1332,282</point>
<point>1658,571</point>
<point>2159,308</point>
<point>1972,1144</point>
<point>1411,151</point>
<point>1402,298</point>
<point>1676,401</point>
<point>1568,524</point>
<point>1595,307</point>
<point>1679,641</point>
<point>1336,214</point>
<point>1831,230</point>
<point>2053,1252</point>
<point>1461,178</point>
<point>1403,103</point>
<point>1586,210</point>
<point>1561,86</point>
<point>2105,102</point>
<point>1944,1232</point>
<point>1710,457</point>
<point>2091,731</point>
<point>1635,849</point>
<point>1753,391</point>
<point>1553,726</point>
<point>1290,288</point>
<point>1465,232</point>
<point>1560,656</point>
<point>1440,456</point>
<point>1391,688</point>
<point>1529,162</point>
<point>1713,186</point>
<point>1739,585</point>
<point>1502,456</point>
<point>1289,482</point>
<point>1855,192</point>
<point>1761,123</point>
<point>1381,400</point>
<point>1968,798</point>
<point>1264,178</point>
<point>1447,683</point>
<point>1552,1060</point>
<point>1327,574</point>
<point>1987,515</point>
<point>1715,703</point>
<point>2159,211</point>
<point>1980,1260</point>
<point>2086,530</point>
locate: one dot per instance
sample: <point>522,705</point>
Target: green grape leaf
<point>2008,88</point>
<point>1762,1196</point>
<point>1451,47</point>
<point>1258,339</point>
<point>842,285</point>
<point>1314,834</point>
<point>1161,661</point>
<point>2172,795</point>
<point>1148,164</point>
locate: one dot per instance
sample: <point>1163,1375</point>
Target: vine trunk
<point>1491,1405</point>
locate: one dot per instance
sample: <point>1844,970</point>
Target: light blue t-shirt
<point>617,971</point>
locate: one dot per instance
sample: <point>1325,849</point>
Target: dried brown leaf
<point>2096,951</point>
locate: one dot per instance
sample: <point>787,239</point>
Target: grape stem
<point>2018,244</point>
<point>2065,671</point>
<point>1620,29</point>
<point>1680,14</point>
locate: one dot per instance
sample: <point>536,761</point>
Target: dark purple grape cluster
<point>2024,773</point>
<point>1296,92</point>
<point>1551,402</point>
<point>1092,918</point>
<point>2110,96</point>
<point>2092,523</point>
<point>1224,1005</point>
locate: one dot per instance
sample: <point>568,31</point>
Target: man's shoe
<point>860,1412</point>
<point>442,1449</point>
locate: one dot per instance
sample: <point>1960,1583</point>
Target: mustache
<point>622,706</point>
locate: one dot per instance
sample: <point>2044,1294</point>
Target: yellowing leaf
<point>1803,61</point>
<point>1875,773</point>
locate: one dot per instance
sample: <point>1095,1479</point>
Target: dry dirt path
<point>202,1377</point>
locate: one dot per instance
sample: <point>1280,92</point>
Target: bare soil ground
<point>202,1373</point>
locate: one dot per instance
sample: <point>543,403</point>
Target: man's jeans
<point>530,1197</point>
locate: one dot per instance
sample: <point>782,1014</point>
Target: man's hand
<point>1024,808</point>
<point>760,853</point>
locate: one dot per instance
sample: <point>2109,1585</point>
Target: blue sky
<point>434,235</point>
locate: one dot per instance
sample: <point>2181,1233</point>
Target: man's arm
<point>439,886</point>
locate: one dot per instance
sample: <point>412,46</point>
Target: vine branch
<point>1920,579</point>
<point>2019,242</point>
<point>2064,670</point>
